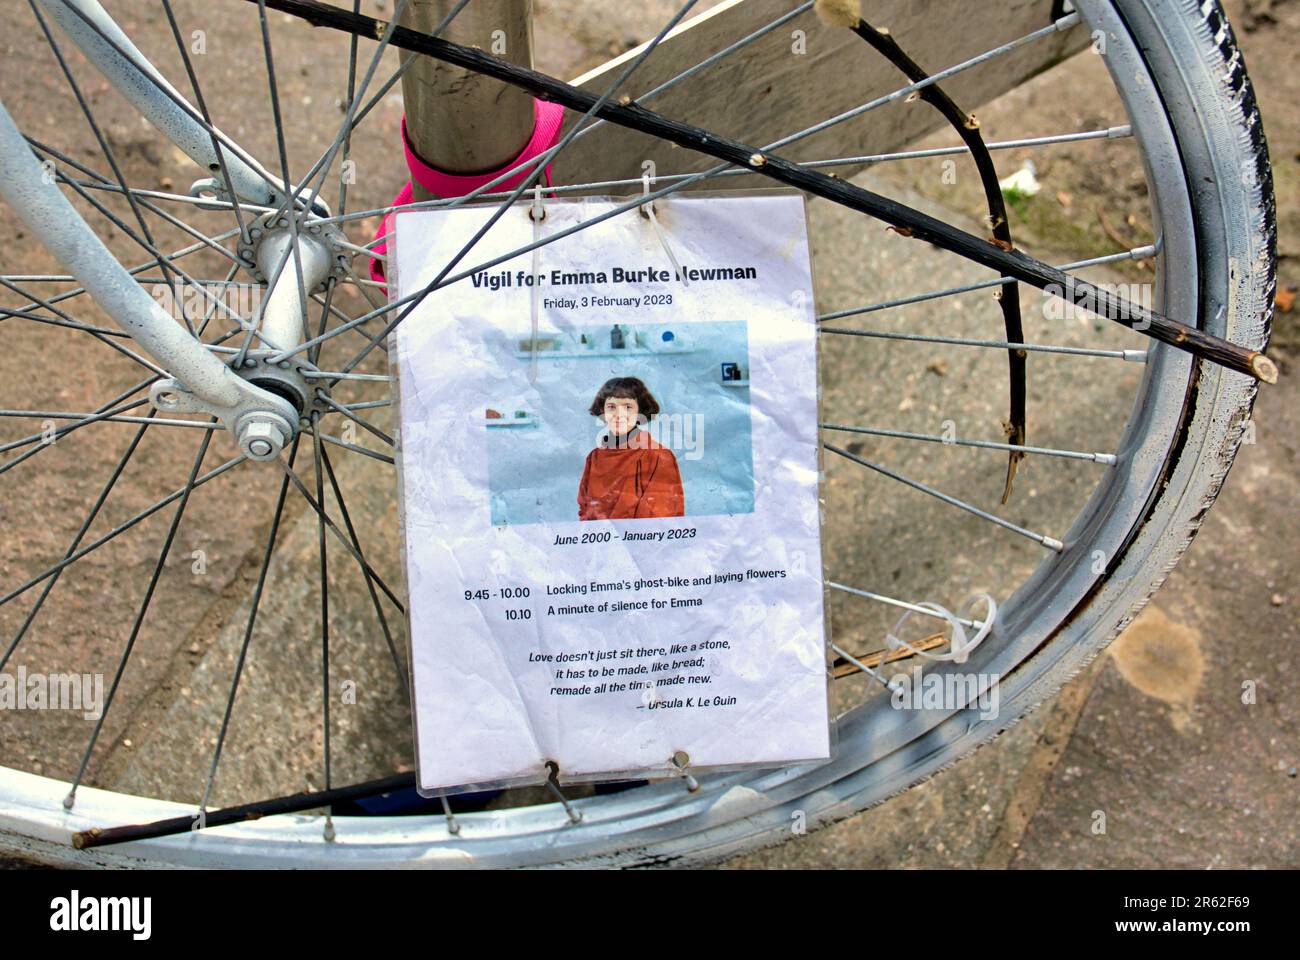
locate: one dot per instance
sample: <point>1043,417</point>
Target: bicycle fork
<point>191,377</point>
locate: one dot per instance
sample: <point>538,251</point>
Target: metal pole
<point>458,120</point>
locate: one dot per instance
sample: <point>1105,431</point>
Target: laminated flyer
<point>609,463</point>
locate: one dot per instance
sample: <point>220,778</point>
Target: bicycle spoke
<point>347,545</point>
<point>252,622</point>
<point>727,51</point>
<point>139,618</point>
<point>850,658</point>
<point>553,785</point>
<point>144,241</point>
<point>879,658</point>
<point>336,375</point>
<point>404,681</point>
<point>102,183</point>
<point>364,451</point>
<point>336,312</point>
<point>207,117</point>
<point>353,42</point>
<point>55,321</point>
<point>1064,23</point>
<point>148,245</point>
<point>903,604</point>
<point>378,96</point>
<point>60,318</point>
<point>1108,459</point>
<point>1133,356</point>
<point>119,530</point>
<point>539,162</point>
<point>323,573</point>
<point>1050,543</point>
<point>362,286</point>
<point>44,443</point>
<point>105,413</point>
<point>208,242</point>
<point>1137,253</point>
<point>324,587</point>
<point>76,540</point>
<point>208,204</point>
<point>103,338</point>
<point>147,418</point>
<point>372,284</point>
<point>348,125</point>
<point>322,164</point>
<point>453,827</point>
<point>326,305</point>
<point>1101,133</point>
<point>359,421</point>
<point>1106,133</point>
<point>95,129</point>
<point>204,243</point>
<point>252,165</point>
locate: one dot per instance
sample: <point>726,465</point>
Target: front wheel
<point>1196,145</point>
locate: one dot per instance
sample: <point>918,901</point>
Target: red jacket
<point>638,478</point>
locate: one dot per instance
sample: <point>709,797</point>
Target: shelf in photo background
<point>510,421</point>
<point>605,352</point>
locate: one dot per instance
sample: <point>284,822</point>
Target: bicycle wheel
<point>227,624</point>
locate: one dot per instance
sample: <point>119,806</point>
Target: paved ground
<point>1154,737</point>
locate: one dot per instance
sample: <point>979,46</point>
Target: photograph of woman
<point>628,474</point>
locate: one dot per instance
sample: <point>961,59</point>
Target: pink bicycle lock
<point>549,117</point>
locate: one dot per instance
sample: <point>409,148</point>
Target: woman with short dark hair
<point>628,474</point>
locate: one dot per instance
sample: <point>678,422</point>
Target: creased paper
<point>610,469</point>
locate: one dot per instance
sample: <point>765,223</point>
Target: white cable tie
<point>960,647</point>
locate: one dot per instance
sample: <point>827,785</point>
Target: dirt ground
<point>1154,735</point>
